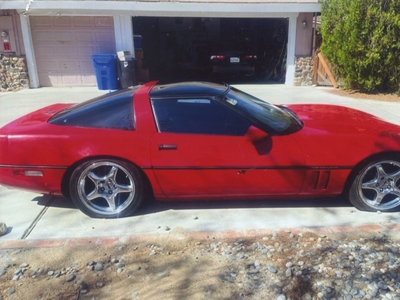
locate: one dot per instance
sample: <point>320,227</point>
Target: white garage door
<point>64,45</point>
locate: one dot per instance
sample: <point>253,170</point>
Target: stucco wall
<point>304,34</point>
<point>10,22</point>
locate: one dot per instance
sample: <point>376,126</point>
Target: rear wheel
<point>377,186</point>
<point>106,188</point>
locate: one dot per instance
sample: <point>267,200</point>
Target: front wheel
<point>106,188</point>
<point>377,186</point>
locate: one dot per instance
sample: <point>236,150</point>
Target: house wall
<point>13,68</point>
<point>9,22</point>
<point>304,35</point>
<point>121,11</point>
<point>303,75</point>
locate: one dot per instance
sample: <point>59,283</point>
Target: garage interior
<point>179,48</point>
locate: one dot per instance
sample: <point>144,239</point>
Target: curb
<point>101,241</point>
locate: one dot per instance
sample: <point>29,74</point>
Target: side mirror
<point>255,134</point>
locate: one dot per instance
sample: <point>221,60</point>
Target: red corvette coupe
<point>199,140</point>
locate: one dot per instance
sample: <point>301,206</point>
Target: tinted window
<point>271,118</point>
<point>198,116</point>
<point>113,111</point>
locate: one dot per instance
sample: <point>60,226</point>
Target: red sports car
<point>199,140</point>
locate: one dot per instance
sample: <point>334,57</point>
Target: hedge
<point>361,38</point>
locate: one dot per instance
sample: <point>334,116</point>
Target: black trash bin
<point>105,66</point>
<point>127,73</point>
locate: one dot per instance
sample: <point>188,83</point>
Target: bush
<point>361,38</point>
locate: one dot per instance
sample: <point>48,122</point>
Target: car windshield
<point>271,118</point>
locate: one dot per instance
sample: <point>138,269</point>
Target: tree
<point>361,38</point>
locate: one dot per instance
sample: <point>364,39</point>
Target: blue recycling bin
<point>105,66</point>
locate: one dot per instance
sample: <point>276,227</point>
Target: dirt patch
<point>389,97</point>
<point>282,265</point>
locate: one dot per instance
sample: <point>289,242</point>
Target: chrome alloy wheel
<point>106,187</point>
<point>379,185</point>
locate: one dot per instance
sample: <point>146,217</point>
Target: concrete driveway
<point>33,216</point>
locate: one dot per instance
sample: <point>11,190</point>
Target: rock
<point>99,267</point>
<point>11,291</point>
<point>288,272</point>
<point>70,278</point>
<point>3,229</point>
<point>382,285</point>
<point>135,295</point>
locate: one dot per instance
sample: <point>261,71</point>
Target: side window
<point>113,113</point>
<point>198,116</point>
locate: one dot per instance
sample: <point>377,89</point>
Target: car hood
<point>338,119</point>
<point>342,134</point>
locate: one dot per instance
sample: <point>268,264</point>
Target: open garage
<point>251,50</point>
<point>250,42</point>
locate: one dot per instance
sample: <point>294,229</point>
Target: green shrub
<point>361,38</point>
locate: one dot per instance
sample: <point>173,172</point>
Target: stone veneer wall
<point>303,75</point>
<point>13,74</point>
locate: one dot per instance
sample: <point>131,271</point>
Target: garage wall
<point>63,47</point>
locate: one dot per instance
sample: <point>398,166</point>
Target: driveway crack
<point>38,217</point>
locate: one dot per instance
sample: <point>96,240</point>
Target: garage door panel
<point>71,79</point>
<point>103,36</point>
<point>63,48</point>
<point>104,49</point>
<point>84,36</point>
<point>49,65</point>
<point>83,22</point>
<point>38,22</point>
<point>45,51</point>
<point>103,22</point>
<point>68,65</point>
<point>47,79</point>
<point>86,51</point>
<point>44,36</point>
<point>65,36</point>
<point>88,79</point>
<point>62,22</point>
<point>85,65</point>
<point>67,50</point>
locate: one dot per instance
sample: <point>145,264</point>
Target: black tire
<point>376,187</point>
<point>106,188</point>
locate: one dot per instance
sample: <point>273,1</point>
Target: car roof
<point>188,89</point>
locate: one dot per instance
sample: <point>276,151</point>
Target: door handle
<point>167,147</point>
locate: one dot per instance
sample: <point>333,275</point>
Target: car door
<point>201,150</point>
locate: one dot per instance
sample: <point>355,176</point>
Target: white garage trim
<point>290,59</point>
<point>122,31</point>
<point>30,52</point>
<point>164,9</point>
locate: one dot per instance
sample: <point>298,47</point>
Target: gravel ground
<point>281,265</point>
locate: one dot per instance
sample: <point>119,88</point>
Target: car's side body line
<point>250,168</point>
<point>32,167</point>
